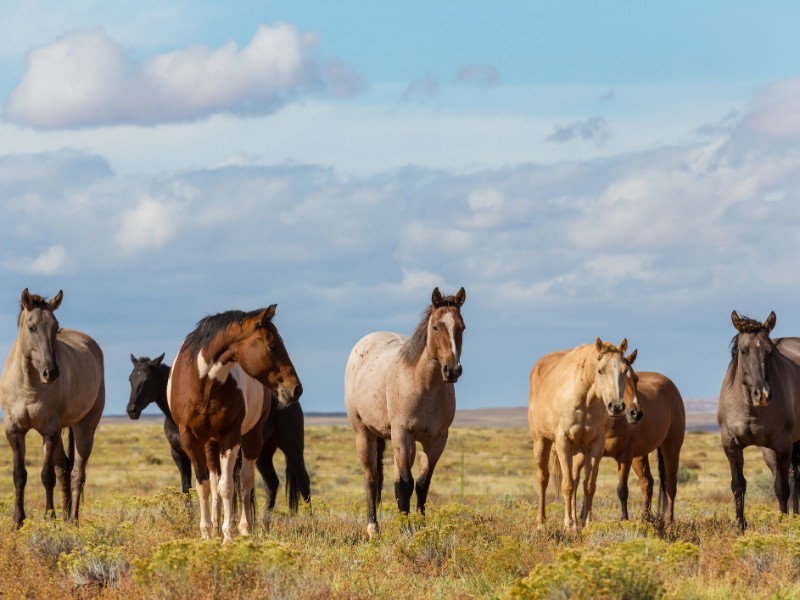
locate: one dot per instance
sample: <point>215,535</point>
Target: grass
<point>139,536</point>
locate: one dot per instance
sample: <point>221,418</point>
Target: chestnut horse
<point>572,395</point>
<point>218,394</point>
<point>401,388</point>
<point>52,379</point>
<point>759,405</point>
<point>283,430</point>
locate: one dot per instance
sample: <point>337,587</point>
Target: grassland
<point>139,536</point>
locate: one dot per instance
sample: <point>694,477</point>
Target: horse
<point>217,395</point>
<point>655,421</point>
<point>53,379</point>
<point>148,381</point>
<point>573,394</point>
<point>283,429</point>
<point>402,388</point>
<point>759,405</point>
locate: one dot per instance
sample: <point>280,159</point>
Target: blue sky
<point>582,169</point>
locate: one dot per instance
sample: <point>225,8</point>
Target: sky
<point>619,170</point>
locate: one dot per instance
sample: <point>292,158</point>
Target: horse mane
<point>208,327</point>
<point>412,349</point>
<point>37,301</point>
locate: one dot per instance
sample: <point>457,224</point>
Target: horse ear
<point>266,316</point>
<point>133,359</point>
<point>599,343</point>
<point>157,360</point>
<point>736,320</point>
<point>623,345</point>
<point>436,297</point>
<point>632,356</point>
<point>461,296</point>
<point>770,322</point>
<point>56,302</point>
<point>26,299</point>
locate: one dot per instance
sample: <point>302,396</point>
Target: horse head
<point>611,376</point>
<point>261,354</point>
<point>38,327</point>
<point>445,330</point>
<point>751,349</point>
<point>145,384</point>
<point>633,408</point>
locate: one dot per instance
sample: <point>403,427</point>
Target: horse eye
<point>600,371</point>
<point>272,347</point>
<point>436,328</point>
<point>31,328</point>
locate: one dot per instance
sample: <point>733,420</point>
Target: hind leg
<point>778,463</point>
<point>541,456</point>
<point>83,433</point>
<point>623,471</point>
<point>197,454</point>
<point>430,456</point>
<point>641,466</point>
<point>794,479</point>
<point>214,463</point>
<point>367,448</point>
<point>267,470</point>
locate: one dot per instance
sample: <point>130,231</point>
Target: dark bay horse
<point>218,393</point>
<point>52,379</point>
<point>759,405</point>
<point>573,396</point>
<point>402,388</point>
<point>283,430</point>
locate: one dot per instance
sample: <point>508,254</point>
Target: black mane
<point>211,325</point>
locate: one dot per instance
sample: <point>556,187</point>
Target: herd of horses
<point>231,397</point>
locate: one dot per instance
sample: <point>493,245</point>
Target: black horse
<point>284,429</point>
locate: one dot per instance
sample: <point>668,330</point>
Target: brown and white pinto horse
<point>218,394</point>
<point>573,394</point>
<point>52,379</point>
<point>401,388</point>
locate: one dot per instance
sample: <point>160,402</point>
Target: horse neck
<point>21,367</point>
<point>163,378</point>
<point>587,367</point>
<point>427,371</point>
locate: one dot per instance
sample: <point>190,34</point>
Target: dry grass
<point>139,538</point>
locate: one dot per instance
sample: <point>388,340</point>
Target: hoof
<point>205,532</point>
<point>372,530</point>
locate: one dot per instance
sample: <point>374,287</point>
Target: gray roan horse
<point>401,388</point>
<point>52,379</point>
<point>759,405</point>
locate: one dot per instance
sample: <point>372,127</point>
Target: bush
<point>99,565</point>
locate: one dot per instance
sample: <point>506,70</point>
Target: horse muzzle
<point>615,409</point>
<point>451,374</point>
<point>633,416</point>
<point>288,396</point>
<point>50,374</point>
<point>134,413</point>
<point>761,398</point>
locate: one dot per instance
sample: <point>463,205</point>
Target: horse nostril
<point>459,370</point>
<point>298,391</point>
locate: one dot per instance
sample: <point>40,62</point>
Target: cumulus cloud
<point>775,111</point>
<point>49,261</point>
<point>149,225</point>
<point>85,79</point>
<point>479,75</point>
<point>593,129</point>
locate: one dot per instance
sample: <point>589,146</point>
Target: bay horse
<point>283,430</point>
<point>402,389</point>
<point>759,405</point>
<point>573,395</point>
<point>217,395</point>
<point>52,379</point>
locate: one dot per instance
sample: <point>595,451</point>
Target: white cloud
<point>775,110</point>
<point>85,79</point>
<point>50,261</point>
<point>149,225</point>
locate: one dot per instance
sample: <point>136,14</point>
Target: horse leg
<point>83,434</point>
<point>404,453</point>
<point>578,461</point>
<point>16,439</point>
<point>367,448</point>
<point>668,464</point>
<point>794,481</point>
<point>267,470</point>
<point>738,482</point>
<point>179,457</point>
<point>213,461</point>
<point>247,477</point>
<point>564,451</point>
<point>430,456</point>
<point>229,452</point>
<point>623,471</point>
<point>541,456</point>
<point>197,454</point>
<point>641,466</point>
<point>62,469</point>
<point>50,440</point>
<point>595,454</point>
<point>778,463</point>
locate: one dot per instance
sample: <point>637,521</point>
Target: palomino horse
<point>217,394</point>
<point>571,397</point>
<point>52,379</point>
<point>759,405</point>
<point>401,388</point>
<point>283,429</point>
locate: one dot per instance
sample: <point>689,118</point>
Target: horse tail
<point>794,480</point>
<point>70,450</point>
<point>555,470</point>
<point>662,483</point>
<point>292,486</point>
<point>67,483</point>
<point>381,448</point>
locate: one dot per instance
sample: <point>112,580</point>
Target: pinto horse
<point>402,388</point>
<point>573,394</point>
<point>52,379</point>
<point>218,395</point>
<point>283,430</point>
<point>759,405</point>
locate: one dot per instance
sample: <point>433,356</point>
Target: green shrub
<point>99,565</point>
